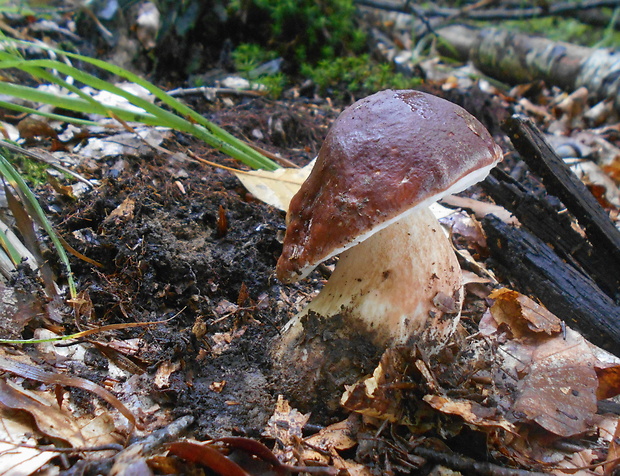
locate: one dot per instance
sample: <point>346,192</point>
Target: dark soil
<point>200,251</point>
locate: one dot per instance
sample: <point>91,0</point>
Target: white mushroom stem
<point>402,283</point>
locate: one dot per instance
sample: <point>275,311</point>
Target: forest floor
<point>187,256</point>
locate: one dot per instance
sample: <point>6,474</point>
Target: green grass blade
<point>71,103</point>
<point>8,245</point>
<point>17,182</point>
<point>49,115</point>
<point>198,125</point>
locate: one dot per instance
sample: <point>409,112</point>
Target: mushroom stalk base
<point>399,287</point>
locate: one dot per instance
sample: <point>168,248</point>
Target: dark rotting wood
<point>534,268</point>
<point>543,218</point>
<point>560,181</point>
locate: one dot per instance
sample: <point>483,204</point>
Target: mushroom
<point>384,161</point>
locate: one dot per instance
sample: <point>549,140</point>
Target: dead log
<point>560,181</point>
<point>534,268</point>
<point>540,216</point>
<point>491,14</point>
<point>516,58</point>
<point>558,266</point>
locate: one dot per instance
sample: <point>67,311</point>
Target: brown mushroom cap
<point>384,156</point>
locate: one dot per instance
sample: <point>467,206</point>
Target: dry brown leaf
<point>471,412</point>
<point>121,214</point>
<point>554,367</point>
<point>65,190</point>
<point>608,381</point>
<point>341,435</point>
<point>379,396</point>
<point>481,209</point>
<point>32,127</point>
<point>50,420</point>
<point>15,460</point>
<point>164,371</point>
<point>522,315</point>
<point>559,394</point>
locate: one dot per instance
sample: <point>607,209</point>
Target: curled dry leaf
<point>379,396</point>
<point>522,314</point>
<point>50,420</point>
<point>15,459</point>
<point>121,214</point>
<point>49,378</point>
<point>339,436</point>
<point>471,412</point>
<point>164,371</point>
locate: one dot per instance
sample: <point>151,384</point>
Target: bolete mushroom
<point>384,161</point>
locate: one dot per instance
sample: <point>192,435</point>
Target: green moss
<point>307,31</point>
<point>32,171</point>
<point>356,75</point>
<point>249,56</point>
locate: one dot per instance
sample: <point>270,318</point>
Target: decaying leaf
<point>379,396</point>
<point>608,381</point>
<point>481,209</point>
<point>15,459</point>
<point>471,412</point>
<point>555,369</point>
<point>286,423</point>
<point>522,314</point>
<point>121,214</point>
<point>340,436</point>
<point>50,420</point>
<point>559,391</point>
<point>164,371</point>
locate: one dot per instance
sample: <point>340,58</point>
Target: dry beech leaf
<point>50,420</point>
<point>35,373</point>
<point>594,176</point>
<point>522,315</point>
<point>608,381</point>
<point>164,371</point>
<point>341,435</point>
<point>471,412</point>
<point>32,127</point>
<point>481,209</point>
<point>559,390</point>
<point>15,460</point>
<point>275,188</point>
<point>121,214</point>
<point>555,368</point>
<point>64,190</point>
